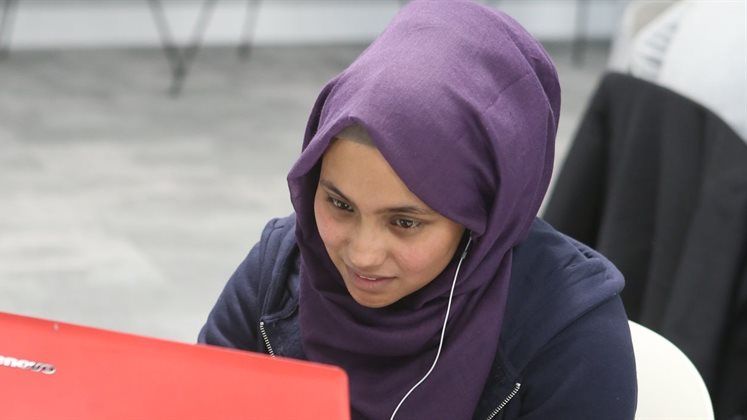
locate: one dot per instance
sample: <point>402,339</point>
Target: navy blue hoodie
<point>564,353</point>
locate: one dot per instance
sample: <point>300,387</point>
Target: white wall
<point>95,23</point>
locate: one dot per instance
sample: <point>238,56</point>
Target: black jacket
<point>658,184</point>
<point>564,352</point>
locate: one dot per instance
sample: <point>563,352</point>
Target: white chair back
<point>669,386</point>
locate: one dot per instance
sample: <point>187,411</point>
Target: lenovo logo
<point>12,362</point>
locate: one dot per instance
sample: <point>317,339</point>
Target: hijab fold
<point>463,104</point>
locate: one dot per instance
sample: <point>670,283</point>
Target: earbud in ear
<point>468,235</point>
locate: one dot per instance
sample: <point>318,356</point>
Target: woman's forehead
<point>359,173</point>
<point>355,133</point>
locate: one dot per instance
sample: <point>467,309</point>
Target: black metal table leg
<point>181,60</point>
<point>195,42</point>
<point>10,8</point>
<point>168,44</point>
<point>250,25</point>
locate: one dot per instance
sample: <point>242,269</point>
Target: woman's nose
<point>367,249</point>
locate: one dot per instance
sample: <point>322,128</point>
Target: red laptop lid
<point>53,370</point>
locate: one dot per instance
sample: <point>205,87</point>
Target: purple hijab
<point>463,103</point>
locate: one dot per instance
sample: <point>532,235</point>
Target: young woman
<point>415,260</point>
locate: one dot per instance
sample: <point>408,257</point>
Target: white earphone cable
<point>443,332</point>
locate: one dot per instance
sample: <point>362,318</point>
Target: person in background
<point>695,48</point>
<point>415,260</point>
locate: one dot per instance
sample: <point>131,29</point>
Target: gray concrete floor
<point>126,209</point>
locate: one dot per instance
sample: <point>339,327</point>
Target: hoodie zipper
<point>504,402</point>
<point>265,338</point>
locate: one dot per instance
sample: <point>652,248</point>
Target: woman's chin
<point>373,302</point>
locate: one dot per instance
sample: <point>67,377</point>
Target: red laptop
<point>52,370</point>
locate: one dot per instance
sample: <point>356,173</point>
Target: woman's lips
<point>372,278</point>
<point>367,281</point>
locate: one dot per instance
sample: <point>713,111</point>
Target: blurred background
<point>132,183</point>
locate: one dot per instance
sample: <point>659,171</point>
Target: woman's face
<point>384,241</point>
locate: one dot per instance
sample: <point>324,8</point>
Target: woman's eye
<point>406,223</point>
<point>340,204</point>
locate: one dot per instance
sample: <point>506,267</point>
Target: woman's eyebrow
<point>330,186</point>
<point>400,209</point>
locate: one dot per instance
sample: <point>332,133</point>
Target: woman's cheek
<point>425,258</point>
<point>413,260</point>
<point>329,228</point>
